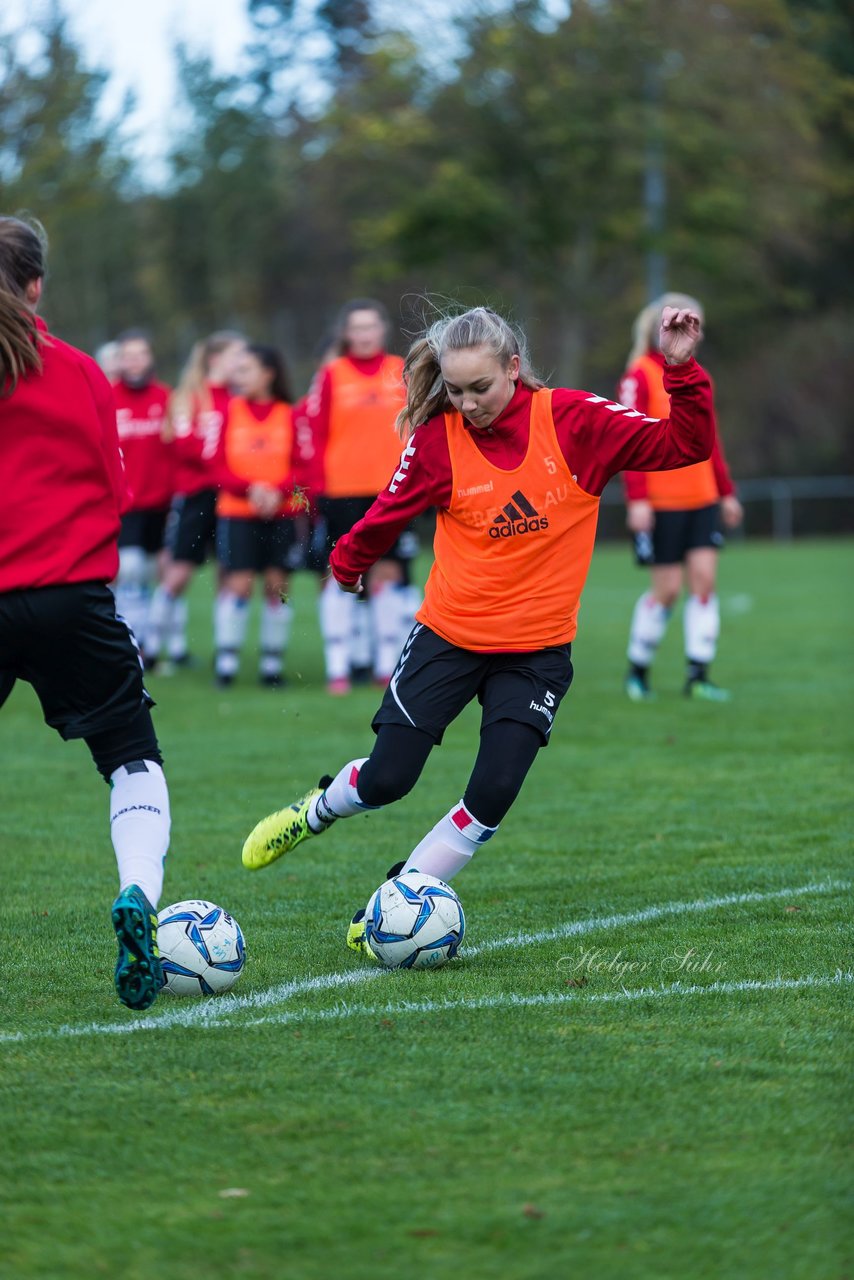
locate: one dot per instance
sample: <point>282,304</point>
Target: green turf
<point>388,1128</point>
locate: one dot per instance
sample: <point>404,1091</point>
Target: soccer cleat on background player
<point>356,939</point>
<point>637,689</point>
<point>139,975</point>
<point>705,691</point>
<point>281,832</point>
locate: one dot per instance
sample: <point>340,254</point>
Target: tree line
<point>553,167</point>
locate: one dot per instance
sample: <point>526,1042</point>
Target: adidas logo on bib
<point>517,517</point>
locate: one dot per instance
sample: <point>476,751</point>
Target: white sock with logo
<point>176,644</point>
<point>340,799</point>
<point>336,626</point>
<point>451,844</point>
<point>702,623</point>
<point>139,825</point>
<point>649,623</point>
<point>385,617</point>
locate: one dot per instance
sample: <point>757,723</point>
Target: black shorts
<point>144,529</point>
<point>675,533</point>
<point>256,545</point>
<point>84,664</point>
<point>191,527</point>
<point>434,680</point>
<point>340,514</point>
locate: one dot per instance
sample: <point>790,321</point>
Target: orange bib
<point>363,448</point>
<point>259,452</point>
<point>513,548</point>
<point>685,488</point>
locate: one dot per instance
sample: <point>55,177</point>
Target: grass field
<point>641,1068</point>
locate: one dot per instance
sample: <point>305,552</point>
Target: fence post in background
<point>782,511</point>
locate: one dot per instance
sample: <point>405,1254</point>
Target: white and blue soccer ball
<point>414,921</point>
<point>202,950</point>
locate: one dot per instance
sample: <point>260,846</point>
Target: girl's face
<point>478,385</point>
<point>364,334</point>
<point>252,378</point>
<point>222,366</point>
<point>135,360</point>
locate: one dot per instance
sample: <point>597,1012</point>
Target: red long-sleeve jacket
<point>61,477</point>
<point>598,439</point>
<point>634,392</point>
<point>149,463</point>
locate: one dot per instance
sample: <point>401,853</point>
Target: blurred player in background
<point>515,471</point>
<point>141,410</point>
<point>675,518</point>
<point>107,357</point>
<point>256,511</point>
<point>352,408</point>
<point>197,412</point>
<point>63,491</point>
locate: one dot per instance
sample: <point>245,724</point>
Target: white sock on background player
<point>451,844</point>
<point>649,623</point>
<point>276,618</point>
<point>361,647</point>
<point>336,626</point>
<point>139,825</point>
<point>409,601</point>
<point>231,617</point>
<point>133,588</point>
<point>340,799</point>
<point>702,621</point>
<point>385,619</point>
<point>176,635</point>
<point>159,622</point>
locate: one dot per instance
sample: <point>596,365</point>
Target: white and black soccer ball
<point>414,921</point>
<point>202,950</point>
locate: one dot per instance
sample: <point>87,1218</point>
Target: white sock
<point>340,799</point>
<point>336,625</point>
<point>409,602</point>
<point>159,621</point>
<point>276,620</point>
<point>450,845</point>
<point>649,623</point>
<point>231,617</point>
<point>176,642</point>
<point>133,588</point>
<point>361,637</point>
<point>385,617</point>
<point>702,627</point>
<point>139,825</point>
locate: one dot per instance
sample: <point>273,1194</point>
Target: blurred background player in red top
<point>352,409</point>
<point>193,428</point>
<point>675,518</point>
<point>256,511</point>
<point>63,492</point>
<point>141,409</point>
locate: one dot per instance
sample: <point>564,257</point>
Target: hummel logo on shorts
<point>517,517</point>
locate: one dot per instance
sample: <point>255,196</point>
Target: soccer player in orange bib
<point>675,517</point>
<point>515,470</point>
<point>352,409</point>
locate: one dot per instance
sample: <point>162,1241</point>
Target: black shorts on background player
<point>340,514</point>
<point>82,661</point>
<point>191,527</point>
<point>144,529</point>
<point>255,545</point>
<point>675,533</point>
<point>434,680</point>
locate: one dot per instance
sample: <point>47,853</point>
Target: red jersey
<point>197,437</point>
<point>61,474</point>
<point>597,439</point>
<point>140,413</point>
<point>638,392</point>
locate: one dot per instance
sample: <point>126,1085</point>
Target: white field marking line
<point>510,1000</point>
<point>216,1012</point>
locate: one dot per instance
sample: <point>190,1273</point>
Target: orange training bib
<point>685,488</point>
<point>259,452</point>
<point>363,448</point>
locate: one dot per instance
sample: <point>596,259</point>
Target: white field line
<point>217,1012</point>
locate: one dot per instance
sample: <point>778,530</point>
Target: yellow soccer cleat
<point>281,832</point>
<point>356,939</point>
